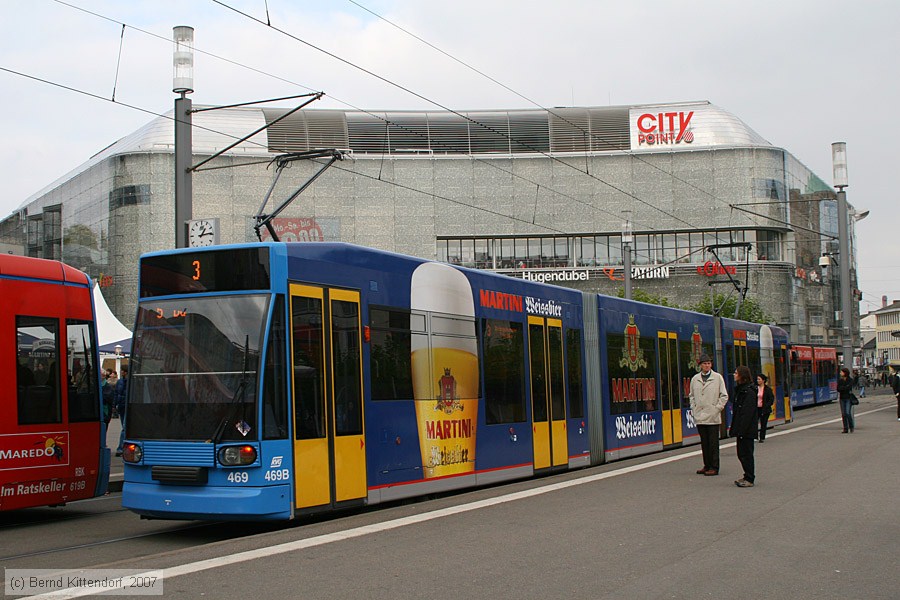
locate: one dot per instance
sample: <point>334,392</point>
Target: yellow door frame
<point>331,468</point>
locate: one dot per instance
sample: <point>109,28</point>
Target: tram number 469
<point>238,477</point>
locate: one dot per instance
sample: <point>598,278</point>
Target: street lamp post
<point>627,239</point>
<point>183,83</point>
<point>839,162</point>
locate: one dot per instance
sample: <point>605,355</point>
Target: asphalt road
<point>821,523</point>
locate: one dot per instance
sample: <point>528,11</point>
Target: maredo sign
<point>665,128</point>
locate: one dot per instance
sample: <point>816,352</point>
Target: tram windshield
<point>194,368</point>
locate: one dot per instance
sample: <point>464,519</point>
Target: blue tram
<point>274,380</point>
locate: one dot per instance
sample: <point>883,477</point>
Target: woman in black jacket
<point>743,423</point>
<point>845,393</point>
<point>765,398</point>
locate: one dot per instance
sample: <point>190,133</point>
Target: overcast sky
<point>801,73</point>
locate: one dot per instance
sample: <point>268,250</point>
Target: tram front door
<point>548,395</point>
<point>326,358</point>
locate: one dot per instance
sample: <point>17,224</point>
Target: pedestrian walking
<point>895,387</point>
<point>743,423</point>
<point>765,398</point>
<point>845,397</point>
<point>708,398</point>
<point>863,383</point>
<point>121,401</point>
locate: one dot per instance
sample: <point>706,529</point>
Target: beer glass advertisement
<point>445,370</point>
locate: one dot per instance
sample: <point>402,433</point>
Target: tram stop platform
<point>802,417</point>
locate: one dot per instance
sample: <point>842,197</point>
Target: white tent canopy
<point>109,329</point>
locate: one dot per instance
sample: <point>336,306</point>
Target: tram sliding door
<point>668,384</point>
<point>329,440</point>
<point>548,395</point>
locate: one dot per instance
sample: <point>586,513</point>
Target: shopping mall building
<point>540,194</point>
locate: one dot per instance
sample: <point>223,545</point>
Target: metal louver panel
<point>489,133</point>
<point>407,133</point>
<point>530,131</point>
<point>306,130</point>
<point>570,130</point>
<point>327,129</point>
<point>449,133</point>
<point>367,133</point>
<point>515,132</point>
<point>610,129</point>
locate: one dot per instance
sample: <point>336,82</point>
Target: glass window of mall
<point>554,252</point>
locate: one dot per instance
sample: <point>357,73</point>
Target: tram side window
<point>733,354</point>
<point>801,373</point>
<point>825,371</point>
<point>453,347</point>
<point>37,370</point>
<point>309,379</point>
<point>392,331</point>
<point>632,374</point>
<point>503,358</point>
<point>345,353</point>
<point>573,356</point>
<point>555,360</point>
<point>779,368</point>
<point>754,361</point>
<point>275,383</point>
<point>84,402</point>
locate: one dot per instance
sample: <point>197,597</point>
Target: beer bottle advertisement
<point>445,370</point>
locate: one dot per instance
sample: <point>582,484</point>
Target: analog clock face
<point>201,232</point>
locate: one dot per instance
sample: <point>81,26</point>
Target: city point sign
<point>665,128</point>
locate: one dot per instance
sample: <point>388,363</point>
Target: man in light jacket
<point>708,397</point>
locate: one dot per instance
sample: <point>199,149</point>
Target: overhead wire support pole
<point>742,292</point>
<point>255,102</point>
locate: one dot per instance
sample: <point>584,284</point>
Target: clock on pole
<point>203,232</point>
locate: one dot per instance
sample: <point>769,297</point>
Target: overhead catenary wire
<point>268,24</point>
<point>450,110</point>
<point>387,122</point>
<point>559,116</point>
<point>171,118</point>
<point>538,185</point>
<point>418,134</point>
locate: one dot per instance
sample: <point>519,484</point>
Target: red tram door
<point>548,395</point>
<point>668,384</point>
<point>326,358</point>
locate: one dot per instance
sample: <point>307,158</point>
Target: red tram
<point>52,436</point>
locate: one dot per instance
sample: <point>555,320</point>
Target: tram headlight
<point>236,456</point>
<point>132,453</point>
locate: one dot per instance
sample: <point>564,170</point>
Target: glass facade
<point>493,208</point>
<point>554,252</point>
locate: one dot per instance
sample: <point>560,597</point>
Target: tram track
<point>98,543</point>
<point>56,517</point>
